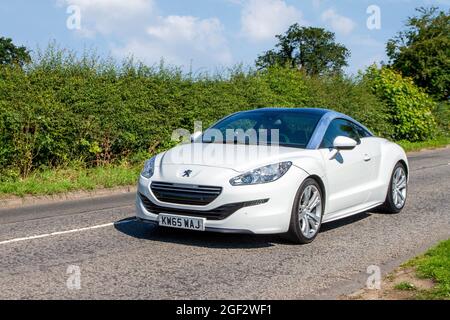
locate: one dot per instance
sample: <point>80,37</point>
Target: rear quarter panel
<point>391,154</point>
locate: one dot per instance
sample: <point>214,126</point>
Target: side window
<point>362,133</point>
<point>339,127</point>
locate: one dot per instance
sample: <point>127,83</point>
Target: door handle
<point>367,157</point>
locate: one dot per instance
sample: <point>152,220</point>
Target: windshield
<point>286,128</point>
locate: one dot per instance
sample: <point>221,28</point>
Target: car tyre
<point>397,190</point>
<point>307,213</point>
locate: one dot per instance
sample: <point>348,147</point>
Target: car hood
<point>237,157</point>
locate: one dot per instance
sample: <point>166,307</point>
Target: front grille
<point>219,213</point>
<point>185,193</point>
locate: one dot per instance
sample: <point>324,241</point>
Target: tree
<point>409,107</point>
<point>312,50</point>
<point>422,51</point>
<point>10,54</point>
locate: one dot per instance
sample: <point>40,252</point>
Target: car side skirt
<point>349,212</point>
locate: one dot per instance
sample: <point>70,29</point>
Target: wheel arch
<point>403,162</point>
<point>322,188</point>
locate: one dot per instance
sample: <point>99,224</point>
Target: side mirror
<point>344,143</point>
<point>195,136</point>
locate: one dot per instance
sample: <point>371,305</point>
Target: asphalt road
<point>120,258</point>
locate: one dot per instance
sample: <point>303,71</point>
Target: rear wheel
<point>397,191</point>
<point>307,212</point>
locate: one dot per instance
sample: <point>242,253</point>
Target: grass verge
<point>48,182</point>
<point>429,144</point>
<point>405,286</point>
<point>434,265</point>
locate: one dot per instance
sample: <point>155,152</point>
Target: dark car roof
<point>315,111</point>
<point>325,115</point>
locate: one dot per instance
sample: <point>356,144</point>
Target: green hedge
<point>62,109</point>
<point>409,107</point>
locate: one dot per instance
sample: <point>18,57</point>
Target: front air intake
<point>185,193</point>
<point>218,213</point>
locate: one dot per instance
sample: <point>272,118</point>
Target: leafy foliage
<point>11,54</point>
<point>422,51</point>
<point>409,108</point>
<point>310,49</point>
<point>62,109</point>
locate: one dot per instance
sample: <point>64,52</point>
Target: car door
<point>347,171</point>
<point>371,149</point>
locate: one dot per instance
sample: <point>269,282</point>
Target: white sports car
<point>273,171</point>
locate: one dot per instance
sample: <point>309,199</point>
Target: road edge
<point>342,289</point>
<point>17,202</point>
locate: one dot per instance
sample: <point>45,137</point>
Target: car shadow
<point>140,230</point>
<point>328,226</point>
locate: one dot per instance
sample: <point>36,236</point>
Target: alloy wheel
<point>310,211</point>
<point>399,187</point>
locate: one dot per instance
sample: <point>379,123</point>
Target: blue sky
<point>208,35</point>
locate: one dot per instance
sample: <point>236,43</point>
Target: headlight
<point>265,174</point>
<point>149,168</point>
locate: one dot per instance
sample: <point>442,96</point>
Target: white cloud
<point>180,39</point>
<point>263,19</point>
<point>111,16</point>
<point>125,7</point>
<point>134,28</point>
<point>337,22</point>
<point>207,32</point>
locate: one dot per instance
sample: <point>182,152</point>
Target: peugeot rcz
<point>273,171</point>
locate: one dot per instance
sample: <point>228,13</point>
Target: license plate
<point>181,222</point>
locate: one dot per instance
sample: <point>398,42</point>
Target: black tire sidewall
<point>295,234</point>
<point>389,204</point>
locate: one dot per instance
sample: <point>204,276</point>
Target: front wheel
<point>307,212</point>
<point>397,191</point>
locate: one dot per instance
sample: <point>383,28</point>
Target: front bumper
<point>269,217</point>
<point>208,229</point>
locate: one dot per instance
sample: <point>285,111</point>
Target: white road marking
<point>57,233</point>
